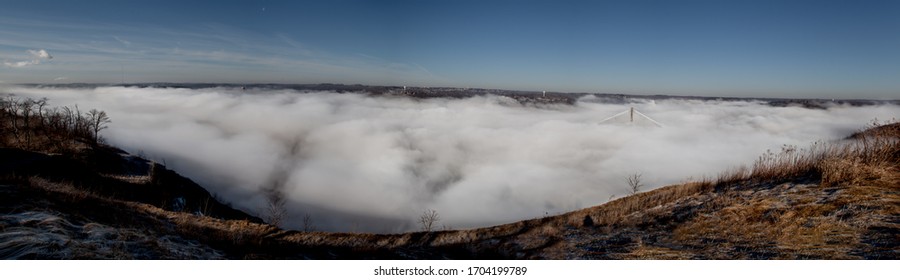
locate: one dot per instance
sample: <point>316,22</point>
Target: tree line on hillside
<point>31,124</point>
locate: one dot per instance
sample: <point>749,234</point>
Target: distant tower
<point>544,94</point>
<point>632,114</point>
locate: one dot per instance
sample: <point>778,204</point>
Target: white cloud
<point>40,54</point>
<point>37,56</point>
<point>375,163</point>
<point>18,64</point>
<point>61,78</point>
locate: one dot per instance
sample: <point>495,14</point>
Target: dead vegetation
<point>276,210</point>
<point>834,200</point>
<point>428,219</point>
<point>32,125</point>
<point>634,183</point>
<point>863,156</point>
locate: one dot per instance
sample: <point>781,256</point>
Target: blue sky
<point>824,49</point>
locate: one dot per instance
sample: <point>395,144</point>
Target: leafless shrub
<point>308,223</point>
<point>634,183</point>
<point>428,219</point>
<point>275,211</point>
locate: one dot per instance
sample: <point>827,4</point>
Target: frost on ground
<point>46,234</point>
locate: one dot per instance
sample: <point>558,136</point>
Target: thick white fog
<point>361,163</point>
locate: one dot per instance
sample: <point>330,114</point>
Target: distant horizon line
<point>681,95</point>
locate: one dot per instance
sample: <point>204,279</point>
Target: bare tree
<point>28,123</point>
<point>428,219</point>
<point>41,103</point>
<point>26,110</point>
<point>11,106</point>
<point>634,183</point>
<point>82,125</point>
<point>98,121</point>
<point>307,223</point>
<point>276,212</point>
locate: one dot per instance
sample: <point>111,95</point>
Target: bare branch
<point>276,212</point>
<point>428,219</point>
<point>308,223</point>
<point>634,183</point>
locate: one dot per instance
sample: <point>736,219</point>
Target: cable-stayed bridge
<point>632,117</point>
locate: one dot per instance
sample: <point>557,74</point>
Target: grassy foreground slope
<point>64,195</point>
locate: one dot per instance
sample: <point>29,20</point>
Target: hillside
<point>83,199</point>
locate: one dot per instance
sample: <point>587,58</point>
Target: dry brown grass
<point>863,157</point>
<point>613,212</point>
<point>855,192</point>
<point>825,201</point>
<point>796,224</point>
<point>645,252</point>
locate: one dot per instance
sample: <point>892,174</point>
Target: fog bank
<point>360,163</point>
